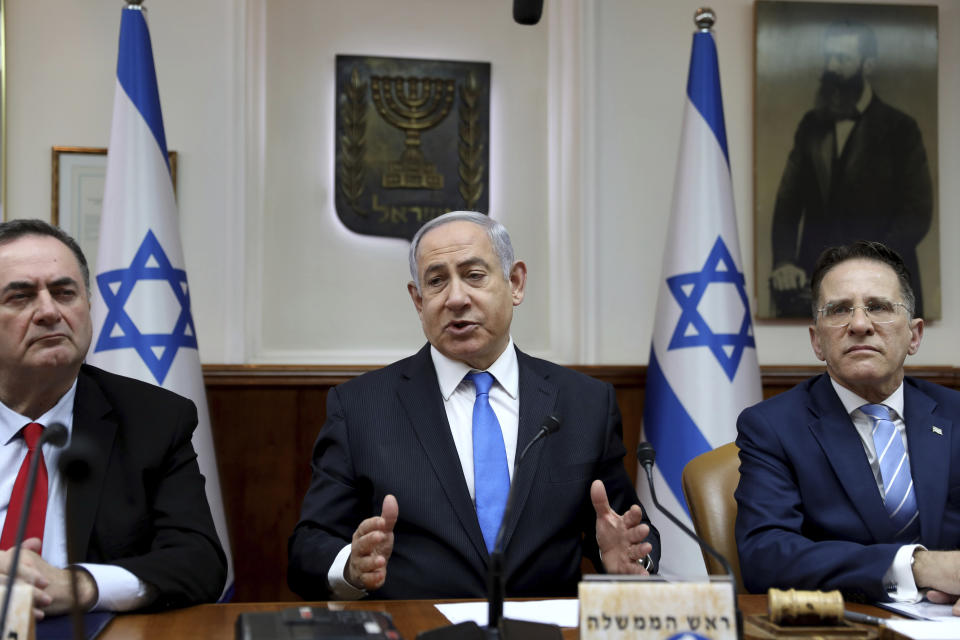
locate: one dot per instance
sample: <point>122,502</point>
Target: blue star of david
<point>702,335</point>
<point>120,332</point>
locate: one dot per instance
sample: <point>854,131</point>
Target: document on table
<point>922,610</point>
<point>563,613</point>
<point>931,621</point>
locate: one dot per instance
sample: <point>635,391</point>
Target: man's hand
<point>788,276</point>
<point>938,571</point>
<point>371,548</point>
<point>52,594</point>
<point>620,538</point>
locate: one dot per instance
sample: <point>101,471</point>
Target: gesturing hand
<point>371,548</point>
<point>620,538</point>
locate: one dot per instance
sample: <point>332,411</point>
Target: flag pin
<point>937,430</point>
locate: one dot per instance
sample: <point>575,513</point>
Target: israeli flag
<point>142,324</point>
<point>703,361</point>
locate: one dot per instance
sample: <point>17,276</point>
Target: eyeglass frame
<point>866,314</point>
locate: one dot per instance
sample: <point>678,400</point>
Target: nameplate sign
<point>20,623</point>
<point>642,607</point>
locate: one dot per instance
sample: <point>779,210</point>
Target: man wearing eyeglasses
<point>851,480</point>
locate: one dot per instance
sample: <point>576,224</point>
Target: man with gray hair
<point>412,468</point>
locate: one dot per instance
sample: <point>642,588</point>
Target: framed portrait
<point>846,144</point>
<point>76,201</point>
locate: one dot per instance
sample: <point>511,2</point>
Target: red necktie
<point>38,505</point>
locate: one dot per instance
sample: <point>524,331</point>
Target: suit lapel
<point>843,448</point>
<point>538,397</point>
<point>91,427</point>
<point>419,393</point>
<point>929,459</point>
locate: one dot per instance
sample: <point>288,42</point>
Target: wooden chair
<point>709,481</point>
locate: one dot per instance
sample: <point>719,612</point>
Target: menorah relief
<point>412,105</point>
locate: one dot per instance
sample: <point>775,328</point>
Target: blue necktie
<point>899,499</point>
<point>491,477</point>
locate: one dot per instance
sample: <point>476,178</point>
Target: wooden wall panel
<point>265,420</point>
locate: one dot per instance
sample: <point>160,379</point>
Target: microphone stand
<point>646,456</point>
<point>75,466</point>
<point>55,434</point>
<point>498,627</point>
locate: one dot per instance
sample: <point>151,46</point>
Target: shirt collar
<point>450,372</point>
<point>852,402</point>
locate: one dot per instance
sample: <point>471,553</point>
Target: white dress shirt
<point>844,128</point>
<point>458,398</point>
<point>899,577</point>
<point>119,589</point>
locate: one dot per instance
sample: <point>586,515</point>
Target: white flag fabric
<point>703,362</point>
<point>143,327</point>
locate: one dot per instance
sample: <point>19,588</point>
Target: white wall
<point>585,126</point>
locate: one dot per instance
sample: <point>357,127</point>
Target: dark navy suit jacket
<point>810,515</point>
<point>143,506</point>
<point>387,433</point>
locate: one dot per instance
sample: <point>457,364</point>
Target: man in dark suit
<point>858,169</point>
<point>848,478</point>
<point>140,520</point>
<point>392,509</point>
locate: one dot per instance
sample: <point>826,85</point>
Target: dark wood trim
<point>283,375</point>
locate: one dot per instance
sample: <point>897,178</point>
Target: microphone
<point>527,11</point>
<point>76,466</point>
<point>550,424</point>
<point>646,455</point>
<point>55,434</point>
<point>499,628</point>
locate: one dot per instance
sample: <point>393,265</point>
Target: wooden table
<point>216,621</point>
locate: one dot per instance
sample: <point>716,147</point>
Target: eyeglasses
<point>879,312</point>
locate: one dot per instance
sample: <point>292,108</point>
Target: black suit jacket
<point>387,433</point>
<point>809,514</point>
<point>143,506</point>
<point>878,189</point>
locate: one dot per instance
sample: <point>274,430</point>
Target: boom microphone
<point>646,455</point>
<point>76,467</point>
<point>550,424</point>
<point>498,627</point>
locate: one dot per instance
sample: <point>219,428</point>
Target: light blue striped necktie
<point>491,477</point>
<point>899,499</point>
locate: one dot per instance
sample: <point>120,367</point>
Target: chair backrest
<point>709,481</point>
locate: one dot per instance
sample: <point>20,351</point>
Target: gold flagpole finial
<point>704,18</point>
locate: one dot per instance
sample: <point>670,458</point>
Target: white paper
<point>922,610</point>
<point>926,629</point>
<point>563,612</point>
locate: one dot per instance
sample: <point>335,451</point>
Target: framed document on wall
<point>77,179</point>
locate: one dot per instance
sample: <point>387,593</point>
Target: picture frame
<point>76,202</point>
<point>835,151</point>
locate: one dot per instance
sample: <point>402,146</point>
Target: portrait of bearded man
<point>858,169</point>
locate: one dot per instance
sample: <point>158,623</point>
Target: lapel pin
<point>937,430</point>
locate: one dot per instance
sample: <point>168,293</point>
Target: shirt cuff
<point>117,588</point>
<point>898,579</point>
<point>339,587</point>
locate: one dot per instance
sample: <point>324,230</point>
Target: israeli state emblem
<point>412,142</point>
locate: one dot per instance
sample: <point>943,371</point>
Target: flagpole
<point>143,321</point>
<point>702,369</point>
